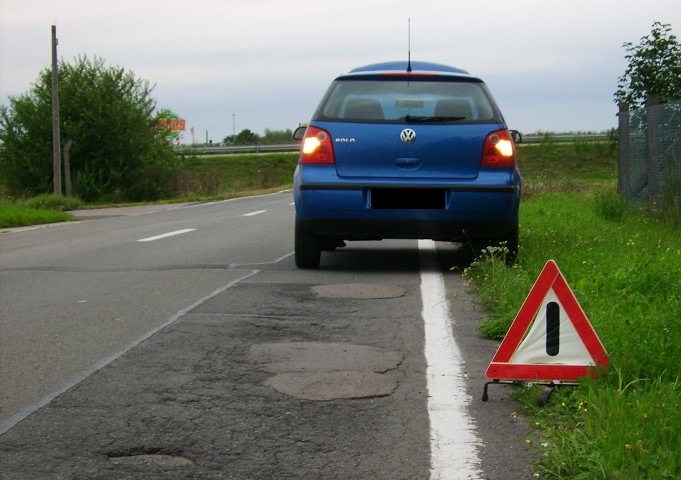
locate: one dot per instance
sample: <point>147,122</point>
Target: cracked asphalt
<point>192,391</point>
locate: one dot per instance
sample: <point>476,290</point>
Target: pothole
<point>324,357</point>
<point>327,371</point>
<point>323,386</point>
<point>359,291</point>
<point>150,459</point>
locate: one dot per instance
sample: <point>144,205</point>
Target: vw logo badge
<point>408,135</point>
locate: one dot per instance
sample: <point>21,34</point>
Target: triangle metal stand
<point>543,398</point>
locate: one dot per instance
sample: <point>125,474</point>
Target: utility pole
<point>56,143</point>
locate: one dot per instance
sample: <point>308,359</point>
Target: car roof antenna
<point>409,45</point>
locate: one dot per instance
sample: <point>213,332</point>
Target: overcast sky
<point>552,65</point>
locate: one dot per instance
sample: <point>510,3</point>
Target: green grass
<point>567,166</point>
<point>607,430</point>
<point>16,215</point>
<point>625,271</point>
<point>52,202</point>
<point>213,177</point>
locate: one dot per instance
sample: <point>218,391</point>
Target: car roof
<point>404,67</point>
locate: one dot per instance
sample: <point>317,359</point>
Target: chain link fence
<point>650,156</point>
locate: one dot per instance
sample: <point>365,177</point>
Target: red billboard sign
<point>172,124</point>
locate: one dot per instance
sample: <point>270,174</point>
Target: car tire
<point>308,249</point>
<point>330,244</point>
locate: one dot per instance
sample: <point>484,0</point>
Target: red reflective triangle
<point>502,368</point>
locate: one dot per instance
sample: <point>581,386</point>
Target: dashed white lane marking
<point>453,440</point>
<point>253,213</point>
<point>166,235</point>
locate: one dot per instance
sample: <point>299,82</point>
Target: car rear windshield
<point>383,100</point>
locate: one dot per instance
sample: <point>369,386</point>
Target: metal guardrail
<point>226,150</point>
<point>565,137</point>
<point>294,147</point>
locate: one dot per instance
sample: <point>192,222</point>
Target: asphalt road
<point>184,343</point>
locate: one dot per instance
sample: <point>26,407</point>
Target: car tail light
<point>316,147</point>
<point>499,150</point>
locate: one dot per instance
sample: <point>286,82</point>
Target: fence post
<point>654,148</point>
<point>623,157</point>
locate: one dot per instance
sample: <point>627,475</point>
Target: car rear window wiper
<point>432,119</point>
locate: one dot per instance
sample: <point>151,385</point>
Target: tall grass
<point>229,175</point>
<point>36,210</point>
<point>18,215</point>
<point>625,270</point>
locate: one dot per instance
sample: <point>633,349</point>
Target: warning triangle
<point>550,339</point>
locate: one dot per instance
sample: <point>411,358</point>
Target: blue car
<point>409,150</point>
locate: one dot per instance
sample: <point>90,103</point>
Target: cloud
<point>551,66</point>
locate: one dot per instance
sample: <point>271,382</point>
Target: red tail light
<point>316,147</point>
<point>499,150</point>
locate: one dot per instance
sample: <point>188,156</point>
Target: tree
<point>277,137</point>
<point>270,137</point>
<point>654,68</point>
<point>247,137</point>
<point>117,150</point>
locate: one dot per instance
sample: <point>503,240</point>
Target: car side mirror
<point>299,133</point>
<point>517,137</point>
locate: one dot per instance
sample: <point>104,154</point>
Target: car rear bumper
<point>407,229</point>
<point>435,213</point>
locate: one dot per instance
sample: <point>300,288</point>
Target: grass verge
<point>15,215</point>
<point>227,176</point>
<point>37,210</point>
<point>625,271</point>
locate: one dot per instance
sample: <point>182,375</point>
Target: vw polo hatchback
<point>413,151</point>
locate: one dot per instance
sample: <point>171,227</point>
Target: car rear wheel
<point>308,249</point>
<point>329,244</point>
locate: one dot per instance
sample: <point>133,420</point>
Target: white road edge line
<point>454,443</point>
<point>253,213</point>
<point>166,235</point>
<point>10,422</point>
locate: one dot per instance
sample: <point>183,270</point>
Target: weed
<point>610,206</point>
<point>53,202</point>
<point>14,215</point>
<point>597,432</point>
